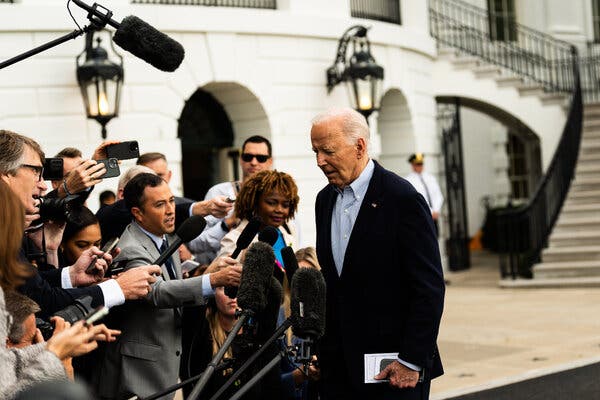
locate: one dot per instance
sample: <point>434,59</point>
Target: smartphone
<point>123,150</point>
<point>230,199</point>
<point>189,266</point>
<point>112,168</point>
<point>108,247</point>
<point>96,315</point>
<point>53,169</point>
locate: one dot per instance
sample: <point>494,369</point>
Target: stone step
<point>568,269</point>
<point>530,89</point>
<point>585,182</point>
<point>593,281</point>
<point>588,158</point>
<point>591,146</point>
<point>579,238</point>
<point>586,169</point>
<point>590,133</point>
<point>447,53</point>
<point>576,224</point>
<point>584,197</point>
<point>508,81</point>
<point>580,210</point>
<point>465,62</point>
<point>590,123</point>
<point>571,253</point>
<point>554,99</point>
<point>486,71</point>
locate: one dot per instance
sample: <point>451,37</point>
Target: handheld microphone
<point>140,39</point>
<point>256,275</point>
<point>246,237</point>
<point>189,229</point>
<point>243,241</point>
<point>268,235</point>
<point>289,262</point>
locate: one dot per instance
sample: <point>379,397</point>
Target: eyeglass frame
<point>248,157</point>
<point>38,169</point>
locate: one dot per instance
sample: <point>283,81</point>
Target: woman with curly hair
<point>272,197</point>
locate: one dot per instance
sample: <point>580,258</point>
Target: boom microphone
<point>140,38</point>
<point>189,229</point>
<point>256,277</point>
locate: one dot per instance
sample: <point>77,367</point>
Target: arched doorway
<point>204,129</point>
<point>394,124</point>
<point>214,123</point>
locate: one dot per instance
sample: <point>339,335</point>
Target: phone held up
<point>123,150</point>
<point>112,168</point>
<point>108,247</point>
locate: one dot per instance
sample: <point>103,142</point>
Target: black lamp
<point>362,75</point>
<point>100,81</point>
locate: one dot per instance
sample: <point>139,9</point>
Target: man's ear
<point>137,213</point>
<point>361,147</point>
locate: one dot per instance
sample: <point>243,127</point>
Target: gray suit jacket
<point>145,358</point>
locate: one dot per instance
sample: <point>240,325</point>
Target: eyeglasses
<point>261,158</point>
<point>37,169</point>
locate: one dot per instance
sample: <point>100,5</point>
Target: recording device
<point>244,240</point>
<point>230,199</point>
<point>112,168</point>
<point>107,248</point>
<point>267,320</point>
<point>252,298</point>
<point>53,169</point>
<point>56,209</point>
<point>290,263</point>
<point>189,229</point>
<point>139,38</point>
<point>189,266</point>
<point>307,310</point>
<point>123,150</point>
<point>268,235</point>
<point>81,309</point>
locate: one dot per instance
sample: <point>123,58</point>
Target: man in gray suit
<point>146,358</point>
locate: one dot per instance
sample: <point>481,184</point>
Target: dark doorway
<point>204,129</point>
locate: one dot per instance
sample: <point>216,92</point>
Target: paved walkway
<point>491,336</point>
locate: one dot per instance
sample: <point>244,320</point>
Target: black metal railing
<point>379,10</point>
<point>7,1</point>
<point>589,67</point>
<point>267,4</point>
<point>523,231</point>
<point>534,55</point>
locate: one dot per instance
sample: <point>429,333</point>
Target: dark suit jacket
<point>389,298</point>
<point>115,217</point>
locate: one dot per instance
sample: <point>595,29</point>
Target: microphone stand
<point>280,330</point>
<point>98,21</point>
<point>258,376</point>
<point>210,368</point>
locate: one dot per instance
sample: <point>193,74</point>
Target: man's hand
<point>100,152</point>
<point>53,233</point>
<point>219,263</point>
<point>82,177</point>
<point>217,207</point>
<point>228,276</point>
<point>70,341</point>
<point>435,215</point>
<point>77,272</point>
<point>136,282</point>
<point>399,375</point>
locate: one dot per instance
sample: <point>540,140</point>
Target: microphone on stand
<point>252,299</point>
<point>307,310</point>
<point>139,38</point>
<point>289,262</point>
<point>243,241</point>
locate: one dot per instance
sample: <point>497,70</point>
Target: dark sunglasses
<point>261,158</point>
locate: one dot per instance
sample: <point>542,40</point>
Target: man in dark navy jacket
<point>380,258</point>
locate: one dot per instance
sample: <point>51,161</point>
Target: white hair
<point>354,124</point>
<point>131,172</point>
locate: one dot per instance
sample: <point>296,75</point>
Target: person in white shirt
<point>426,184</point>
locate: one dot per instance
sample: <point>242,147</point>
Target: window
<point>596,20</point>
<point>524,164</point>
<point>502,20</point>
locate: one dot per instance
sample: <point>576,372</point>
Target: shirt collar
<point>360,185</point>
<point>158,240</point>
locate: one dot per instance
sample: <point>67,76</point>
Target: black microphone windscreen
<point>149,44</point>
<point>267,320</point>
<point>256,275</point>
<point>290,263</point>
<point>191,228</point>
<point>268,235</point>
<point>308,303</point>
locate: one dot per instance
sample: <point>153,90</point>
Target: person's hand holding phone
<point>85,175</point>
<point>78,271</point>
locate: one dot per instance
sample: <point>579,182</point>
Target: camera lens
<point>133,146</point>
<point>112,163</point>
